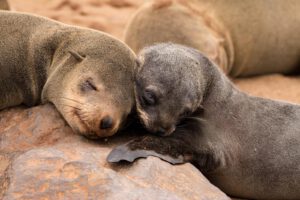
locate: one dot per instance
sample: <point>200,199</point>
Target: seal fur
<point>4,5</point>
<point>244,38</point>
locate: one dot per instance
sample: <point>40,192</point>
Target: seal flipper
<point>169,149</point>
<point>123,153</point>
<point>186,145</point>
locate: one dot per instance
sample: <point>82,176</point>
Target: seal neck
<point>218,88</point>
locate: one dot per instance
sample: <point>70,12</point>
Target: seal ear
<point>76,55</point>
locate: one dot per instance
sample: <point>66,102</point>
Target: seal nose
<point>166,131</point>
<point>106,123</point>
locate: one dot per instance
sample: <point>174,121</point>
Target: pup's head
<point>169,85</point>
<point>92,84</point>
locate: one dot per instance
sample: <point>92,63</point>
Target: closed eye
<point>88,85</point>
<point>149,98</point>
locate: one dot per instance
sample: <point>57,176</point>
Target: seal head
<point>163,99</point>
<point>92,87</point>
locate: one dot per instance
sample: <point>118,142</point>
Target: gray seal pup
<point>86,74</point>
<point>247,146</point>
<point>244,38</point>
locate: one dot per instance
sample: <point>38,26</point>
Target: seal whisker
<point>84,116</point>
<point>196,118</point>
<point>69,106</point>
<point>91,104</point>
<point>71,100</point>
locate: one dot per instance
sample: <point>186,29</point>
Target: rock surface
<point>41,158</point>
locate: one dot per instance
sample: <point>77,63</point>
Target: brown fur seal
<point>4,5</point>
<point>242,37</point>
<point>86,74</point>
<point>247,146</point>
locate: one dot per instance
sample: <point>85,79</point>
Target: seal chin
<point>162,131</point>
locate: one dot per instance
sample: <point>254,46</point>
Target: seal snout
<point>106,123</point>
<point>165,131</point>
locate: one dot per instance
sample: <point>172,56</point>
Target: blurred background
<point>111,16</point>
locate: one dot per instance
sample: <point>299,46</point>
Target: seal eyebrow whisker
<point>71,100</point>
<point>70,106</point>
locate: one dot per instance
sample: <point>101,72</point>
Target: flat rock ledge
<point>41,158</point>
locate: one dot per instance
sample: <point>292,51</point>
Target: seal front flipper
<point>170,149</point>
<point>184,145</point>
<point>173,149</point>
<point>124,153</point>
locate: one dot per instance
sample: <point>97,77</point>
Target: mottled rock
<point>70,171</point>
<point>41,158</point>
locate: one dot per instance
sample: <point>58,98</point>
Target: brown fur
<point>4,5</point>
<point>243,37</point>
<point>86,74</point>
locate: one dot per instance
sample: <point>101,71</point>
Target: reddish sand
<point>111,16</point>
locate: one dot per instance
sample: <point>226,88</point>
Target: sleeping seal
<point>247,146</point>
<point>86,74</point>
<point>242,37</point>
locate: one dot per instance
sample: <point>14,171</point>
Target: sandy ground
<point>111,16</point>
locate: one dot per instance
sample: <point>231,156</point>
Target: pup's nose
<point>166,131</point>
<point>106,123</point>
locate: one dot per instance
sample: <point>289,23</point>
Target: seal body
<point>86,74</point>
<point>4,5</point>
<point>242,37</point>
<point>247,146</point>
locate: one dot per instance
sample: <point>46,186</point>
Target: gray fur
<point>251,144</point>
<point>86,74</point>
